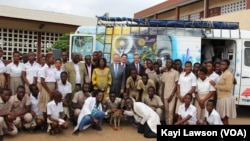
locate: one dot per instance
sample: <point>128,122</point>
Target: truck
<point>176,39</point>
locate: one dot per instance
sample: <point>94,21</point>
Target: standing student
<point>187,112</point>
<point>29,71</point>
<point>36,113</point>
<point>65,88</point>
<point>38,74</point>
<point>14,72</point>
<point>2,70</point>
<point>58,69</point>
<point>186,84</point>
<point>6,116</point>
<point>55,114</point>
<point>212,117</point>
<point>48,82</point>
<point>225,100</point>
<point>204,91</point>
<point>169,80</point>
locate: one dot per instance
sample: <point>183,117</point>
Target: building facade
<point>26,30</point>
<point>220,10</point>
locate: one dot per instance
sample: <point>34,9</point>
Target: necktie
<point>116,70</point>
<point>137,68</point>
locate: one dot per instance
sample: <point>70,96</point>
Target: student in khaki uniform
<point>143,86</point>
<point>169,80</point>
<point>21,107</point>
<point>151,72</point>
<point>79,99</point>
<point>6,117</point>
<point>154,101</point>
<point>132,84</point>
<point>111,103</point>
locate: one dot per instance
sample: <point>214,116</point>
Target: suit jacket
<point>70,69</point>
<point>141,68</point>
<point>92,68</point>
<point>118,82</point>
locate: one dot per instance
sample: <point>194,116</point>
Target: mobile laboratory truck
<point>176,39</point>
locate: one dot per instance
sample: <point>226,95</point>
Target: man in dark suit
<point>125,64</point>
<point>135,65</point>
<point>118,76</point>
<point>89,68</point>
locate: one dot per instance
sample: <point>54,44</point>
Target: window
<point>232,7</point>
<point>247,57</point>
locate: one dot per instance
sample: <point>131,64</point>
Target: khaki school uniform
<point>132,86</point>
<point>144,87</point>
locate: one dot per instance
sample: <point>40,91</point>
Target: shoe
<point>1,137</point>
<point>97,127</point>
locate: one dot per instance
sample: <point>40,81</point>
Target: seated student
<point>154,101</point>
<point>132,84</point>
<point>111,103</point>
<point>79,99</point>
<point>21,107</point>
<point>143,86</point>
<point>91,114</point>
<point>64,87</point>
<point>38,121</point>
<point>187,112</point>
<point>145,117</point>
<point>125,95</point>
<point>6,116</point>
<point>212,117</point>
<point>55,114</point>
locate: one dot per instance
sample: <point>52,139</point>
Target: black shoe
<point>1,137</point>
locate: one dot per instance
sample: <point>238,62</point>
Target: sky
<point>86,8</point>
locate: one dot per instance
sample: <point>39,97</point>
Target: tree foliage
<point>62,42</point>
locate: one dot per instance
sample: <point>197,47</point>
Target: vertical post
<point>206,8</point>
<point>177,13</point>
<point>39,48</point>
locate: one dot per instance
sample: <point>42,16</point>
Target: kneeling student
<point>55,114</point>
<point>212,117</point>
<point>6,117</point>
<point>21,107</point>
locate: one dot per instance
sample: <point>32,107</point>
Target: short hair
<point>188,62</point>
<point>87,56</point>
<point>211,101</point>
<point>64,72</point>
<point>4,89</point>
<point>190,95</point>
<point>56,94</point>
<point>20,87</point>
<point>226,61</point>
<point>16,52</point>
<point>203,69</point>
<point>144,74</point>
<point>58,60</point>
<point>151,87</point>
<point>124,55</point>
<point>32,85</point>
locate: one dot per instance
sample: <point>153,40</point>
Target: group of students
<point>47,95</point>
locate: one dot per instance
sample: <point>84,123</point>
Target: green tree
<point>62,42</point>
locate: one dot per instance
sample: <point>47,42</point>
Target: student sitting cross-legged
<point>55,114</point>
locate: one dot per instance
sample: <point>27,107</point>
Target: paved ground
<point>128,133</point>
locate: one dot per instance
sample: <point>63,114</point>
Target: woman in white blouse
<point>14,72</point>
<point>212,117</point>
<point>187,112</point>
